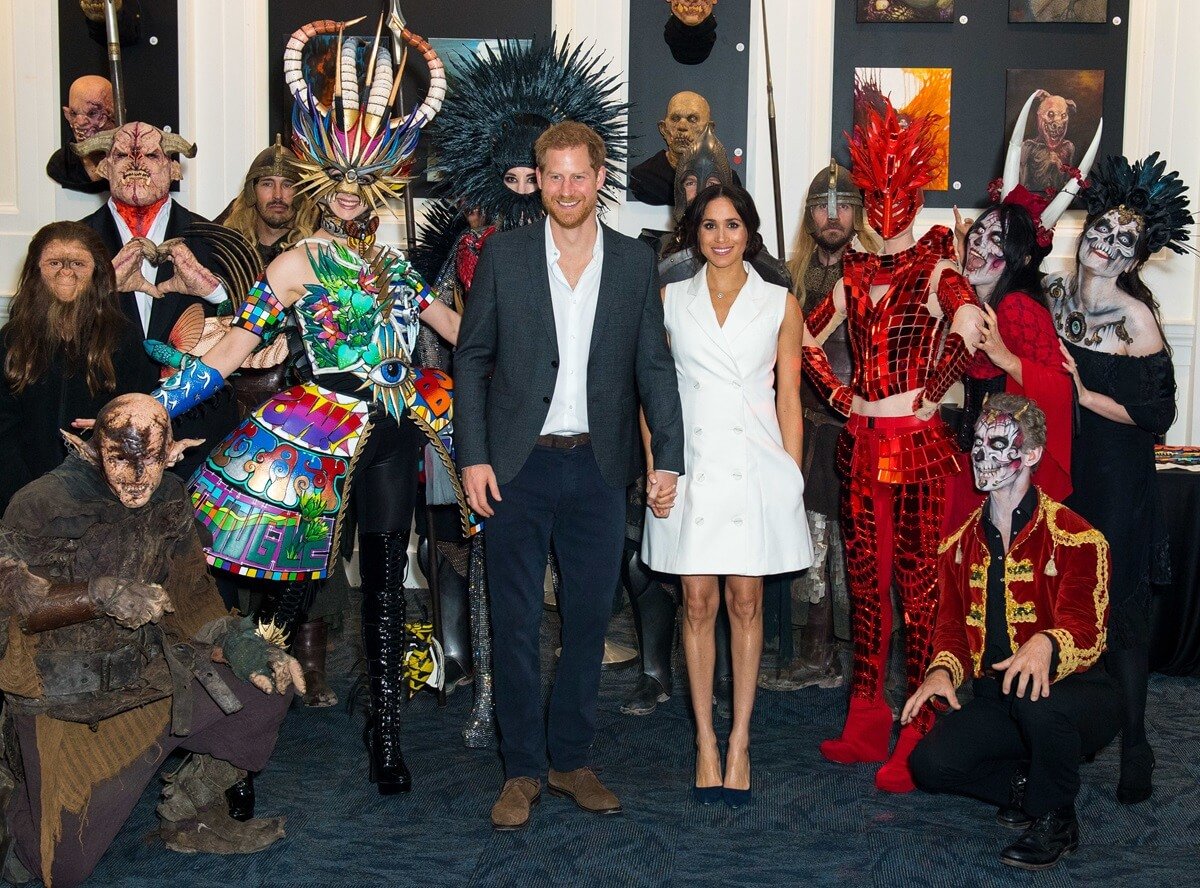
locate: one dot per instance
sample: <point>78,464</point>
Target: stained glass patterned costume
<point>274,492</point>
<point>895,466</point>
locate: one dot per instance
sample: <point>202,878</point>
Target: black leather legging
<point>385,481</point>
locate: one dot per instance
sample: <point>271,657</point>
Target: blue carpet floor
<point>811,823</point>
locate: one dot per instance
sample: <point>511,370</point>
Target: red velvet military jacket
<point>1055,581</point>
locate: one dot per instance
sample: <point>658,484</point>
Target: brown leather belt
<point>564,442</point>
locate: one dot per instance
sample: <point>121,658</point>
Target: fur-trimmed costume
<point>95,707</point>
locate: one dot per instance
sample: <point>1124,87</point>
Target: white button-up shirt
<point>574,315</point>
<point>156,234</point>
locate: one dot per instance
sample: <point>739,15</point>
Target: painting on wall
<point>1058,11</point>
<point>1061,123</point>
<point>872,11</point>
<point>914,93</point>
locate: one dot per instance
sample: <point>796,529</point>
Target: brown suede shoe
<point>511,810</point>
<point>584,788</point>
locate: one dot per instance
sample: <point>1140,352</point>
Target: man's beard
<point>833,239</point>
<point>569,218</point>
<point>276,218</point>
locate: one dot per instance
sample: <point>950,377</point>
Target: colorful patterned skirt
<point>273,493</point>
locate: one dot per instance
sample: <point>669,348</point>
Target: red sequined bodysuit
<point>895,470</point>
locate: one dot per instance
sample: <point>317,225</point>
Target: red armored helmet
<point>892,163</point>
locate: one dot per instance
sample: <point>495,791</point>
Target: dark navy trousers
<point>559,493</point>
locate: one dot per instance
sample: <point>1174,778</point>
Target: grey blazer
<point>506,363</point>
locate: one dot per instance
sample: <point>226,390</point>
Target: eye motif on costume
<point>389,377</point>
<point>389,373</point>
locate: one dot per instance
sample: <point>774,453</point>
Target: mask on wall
<point>89,107</point>
<point>691,31</point>
<point>688,115</point>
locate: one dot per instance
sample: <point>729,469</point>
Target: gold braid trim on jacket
<point>1070,657</point>
<point>948,661</point>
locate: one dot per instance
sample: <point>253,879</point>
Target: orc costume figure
<point>113,654</point>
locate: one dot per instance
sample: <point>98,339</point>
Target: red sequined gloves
<point>820,373</point>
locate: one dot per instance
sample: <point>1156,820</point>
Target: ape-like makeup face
<point>66,267</point>
<point>133,442</point>
<point>985,252</point>
<point>1109,245</point>
<point>89,107</point>
<point>1053,118</point>
<point>692,12</point>
<point>138,170</point>
<point>996,453</point>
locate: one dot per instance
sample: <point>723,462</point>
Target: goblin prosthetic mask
<point>687,116</point>
<point>89,107</point>
<point>140,162</point>
<point>691,31</point>
<point>132,445</point>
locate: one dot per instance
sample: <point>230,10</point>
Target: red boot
<point>866,734</point>
<point>894,776</point>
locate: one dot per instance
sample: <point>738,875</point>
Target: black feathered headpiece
<point>500,102</point>
<point>1145,189</point>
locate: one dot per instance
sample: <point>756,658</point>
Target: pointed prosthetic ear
<point>175,453</point>
<point>85,450</point>
<point>176,171</point>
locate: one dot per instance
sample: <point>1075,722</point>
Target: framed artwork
<point>1061,123</point>
<point>905,10</point>
<point>914,93</point>
<point>1058,11</point>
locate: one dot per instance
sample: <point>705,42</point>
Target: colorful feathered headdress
<point>1146,189</point>
<point>358,145</point>
<point>503,99</point>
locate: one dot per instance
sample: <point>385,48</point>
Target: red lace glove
<point>949,370</point>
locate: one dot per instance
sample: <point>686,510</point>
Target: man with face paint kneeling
<point>115,650</point>
<point>1023,610</point>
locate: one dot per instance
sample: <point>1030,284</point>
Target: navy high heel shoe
<point>708,795</point>
<point>736,798</point>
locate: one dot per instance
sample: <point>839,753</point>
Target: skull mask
<point>996,453</point>
<point>1109,245</point>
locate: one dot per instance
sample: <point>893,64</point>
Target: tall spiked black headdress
<point>500,102</point>
<point>1143,188</point>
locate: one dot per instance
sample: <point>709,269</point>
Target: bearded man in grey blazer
<point>561,341</point>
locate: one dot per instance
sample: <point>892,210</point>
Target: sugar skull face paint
<point>1109,245</point>
<point>996,454</point>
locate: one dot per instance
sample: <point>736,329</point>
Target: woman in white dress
<point>738,510</point>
